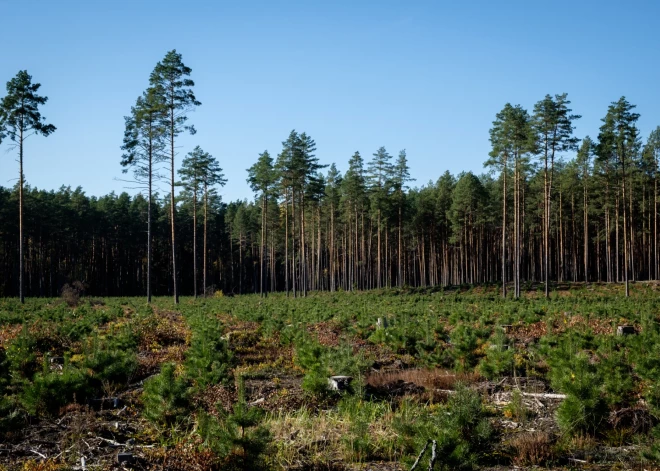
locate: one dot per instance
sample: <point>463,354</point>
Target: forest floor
<point>498,384</point>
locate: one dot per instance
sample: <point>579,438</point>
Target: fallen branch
<point>419,457</point>
<point>541,395</point>
<point>544,395</point>
<point>434,455</point>
<point>111,442</point>
<point>40,454</point>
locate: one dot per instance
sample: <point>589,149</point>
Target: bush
<point>10,416</point>
<point>499,357</point>
<point>461,429</point>
<point>113,359</point>
<point>646,359</point>
<point>618,384</point>
<point>21,355</point>
<point>112,366</point>
<point>71,293</point>
<point>464,341</point>
<point>165,397</point>
<point>584,408</point>
<point>4,371</point>
<point>208,359</point>
<point>238,436</point>
<point>49,391</point>
<point>312,357</point>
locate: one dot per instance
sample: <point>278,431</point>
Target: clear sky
<point>355,75</point>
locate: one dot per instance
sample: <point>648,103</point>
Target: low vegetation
<point>242,382</point>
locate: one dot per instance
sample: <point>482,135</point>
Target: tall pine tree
<point>20,118</point>
<point>170,79</point>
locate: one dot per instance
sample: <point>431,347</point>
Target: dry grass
<point>427,378</point>
<point>531,448</point>
<point>308,438</point>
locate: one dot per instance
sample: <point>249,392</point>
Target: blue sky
<point>355,75</point>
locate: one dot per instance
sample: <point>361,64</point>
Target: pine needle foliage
<point>165,397</point>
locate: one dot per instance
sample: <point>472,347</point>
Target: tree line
<point>551,208</point>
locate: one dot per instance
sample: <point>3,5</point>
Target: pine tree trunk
<point>263,248</point>
<point>150,183</point>
<point>586,233</point>
<point>293,242</point>
<point>546,228</point>
<point>21,262</point>
<point>503,234</point>
<point>625,231</point>
<point>286,242</point>
<point>172,202</point>
<point>399,273</point>
<point>378,241</point>
<point>195,243</point>
<point>206,253</point>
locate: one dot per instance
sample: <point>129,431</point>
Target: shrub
<point>464,431</point>
<point>4,371</point>
<point>499,357</point>
<point>165,397</point>
<point>618,383</point>
<point>71,293</point>
<point>208,359</point>
<point>461,429</point>
<point>112,366</point>
<point>312,357</point>
<point>238,436</point>
<point>21,355</point>
<point>464,341</point>
<point>49,391</point>
<point>584,408</point>
<point>10,415</point>
<point>646,357</point>
<point>516,409</point>
<point>112,359</point>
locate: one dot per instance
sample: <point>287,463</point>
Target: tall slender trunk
<point>172,201</point>
<point>561,266</point>
<point>503,234</point>
<point>21,262</point>
<point>332,247</point>
<point>631,248</point>
<point>625,229</point>
<point>546,227</point>
<point>378,268</point>
<point>586,233</point>
<point>303,251</point>
<point>195,242</point>
<point>206,219</point>
<point>655,220</point>
<point>286,242</point>
<point>516,229</point>
<point>318,285</point>
<point>616,232</point>
<point>399,250</point>
<point>261,252</point>
<point>149,189</point>
<point>293,241</point>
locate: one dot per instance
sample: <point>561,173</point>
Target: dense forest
<point>550,207</point>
